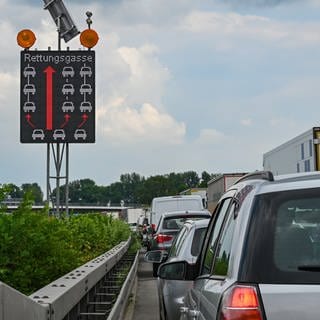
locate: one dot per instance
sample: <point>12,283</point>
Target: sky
<point>206,85</point>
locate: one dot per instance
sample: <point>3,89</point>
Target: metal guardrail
<point>119,307</point>
<point>92,291</point>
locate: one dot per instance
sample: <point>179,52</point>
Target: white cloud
<point>228,26</point>
<point>211,136</point>
<point>9,106</point>
<point>123,124</point>
<point>246,122</point>
<point>130,94</point>
<point>8,81</point>
<point>147,77</point>
<point>315,2</point>
<point>285,123</point>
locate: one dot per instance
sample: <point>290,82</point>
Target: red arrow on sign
<point>84,120</point>
<point>66,120</point>
<point>49,119</point>
<point>28,118</point>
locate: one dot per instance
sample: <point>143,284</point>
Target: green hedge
<point>36,249</point>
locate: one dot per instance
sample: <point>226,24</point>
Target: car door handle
<point>184,310</point>
<point>193,314</point>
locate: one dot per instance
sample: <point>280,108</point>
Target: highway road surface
<point>144,301</point>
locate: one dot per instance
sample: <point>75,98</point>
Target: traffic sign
<point>57,97</point>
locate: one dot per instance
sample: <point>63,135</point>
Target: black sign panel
<point>57,97</point>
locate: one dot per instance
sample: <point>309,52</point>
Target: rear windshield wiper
<point>310,267</point>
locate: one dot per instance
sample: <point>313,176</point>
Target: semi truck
<point>299,154</point>
<point>217,187</point>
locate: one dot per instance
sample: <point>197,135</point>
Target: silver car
<point>186,246</point>
<point>261,255</point>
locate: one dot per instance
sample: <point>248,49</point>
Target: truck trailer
<point>300,154</point>
<point>217,187</point>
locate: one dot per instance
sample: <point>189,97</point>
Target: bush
<point>36,249</point>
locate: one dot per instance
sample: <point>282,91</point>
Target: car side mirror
<point>156,256</point>
<point>177,270</point>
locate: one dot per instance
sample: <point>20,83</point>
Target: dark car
<point>260,258</point>
<point>169,225</point>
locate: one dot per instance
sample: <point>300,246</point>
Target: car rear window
<point>283,243</point>
<point>172,223</point>
<point>176,223</point>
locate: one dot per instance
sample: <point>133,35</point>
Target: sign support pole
<point>58,159</point>
<point>58,154</point>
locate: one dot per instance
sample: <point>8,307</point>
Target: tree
<point>205,178</point>
<point>191,179</point>
<point>134,188</point>
<point>131,184</point>
<point>176,183</point>
<point>34,189</point>
<point>154,186</point>
<point>15,192</point>
<point>114,192</point>
<point>4,192</point>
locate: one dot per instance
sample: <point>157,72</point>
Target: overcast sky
<point>206,85</point>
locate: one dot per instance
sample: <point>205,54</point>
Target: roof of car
<point>267,182</point>
<point>198,223</point>
<point>186,213</point>
<point>185,196</point>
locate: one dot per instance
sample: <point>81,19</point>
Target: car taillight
<point>241,303</point>
<point>161,238</point>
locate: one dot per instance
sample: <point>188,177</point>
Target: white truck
<point>217,187</point>
<point>200,191</point>
<point>134,214</point>
<point>159,205</point>
<point>300,154</point>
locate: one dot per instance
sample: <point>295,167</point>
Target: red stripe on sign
<point>49,88</point>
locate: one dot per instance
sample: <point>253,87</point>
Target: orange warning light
<point>89,38</point>
<point>26,38</point>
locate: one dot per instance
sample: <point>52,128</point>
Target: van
<point>160,205</point>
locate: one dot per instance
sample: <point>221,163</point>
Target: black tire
<point>164,317</point>
<point>155,267</point>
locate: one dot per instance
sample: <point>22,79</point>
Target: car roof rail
<point>263,175</point>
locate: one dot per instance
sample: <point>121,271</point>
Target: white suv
<point>260,258</point>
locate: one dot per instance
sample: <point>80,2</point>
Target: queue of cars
<point>260,256</point>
